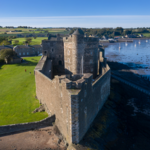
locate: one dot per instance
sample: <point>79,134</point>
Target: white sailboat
<point>146,41</point>
<point>139,42</point>
<point>126,44</point>
<point>135,45</point>
<point>119,46</point>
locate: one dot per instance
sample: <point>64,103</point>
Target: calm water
<point>135,54</point>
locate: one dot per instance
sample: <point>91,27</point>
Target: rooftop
<point>78,32</point>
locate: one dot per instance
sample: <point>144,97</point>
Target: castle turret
<point>74,52</point>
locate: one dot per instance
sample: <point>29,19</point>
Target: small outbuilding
<point>12,59</point>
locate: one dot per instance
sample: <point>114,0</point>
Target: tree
<point>7,52</point>
<point>118,31</point>
<point>16,42</point>
<point>5,42</point>
<point>28,40</point>
<point>126,32</point>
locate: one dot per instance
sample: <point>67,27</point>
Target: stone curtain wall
<point>54,94</point>
<point>26,126</point>
<point>91,100</point>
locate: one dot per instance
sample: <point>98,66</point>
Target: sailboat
<point>135,45</point>
<point>119,46</point>
<point>146,40</point>
<point>126,44</point>
<point>139,42</point>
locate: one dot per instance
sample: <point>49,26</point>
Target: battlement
<point>75,81</point>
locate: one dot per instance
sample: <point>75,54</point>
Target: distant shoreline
<point>107,43</point>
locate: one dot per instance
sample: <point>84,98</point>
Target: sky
<point>75,13</point>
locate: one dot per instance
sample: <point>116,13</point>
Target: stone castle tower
<point>73,82</point>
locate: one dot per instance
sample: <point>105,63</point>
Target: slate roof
<point>6,46</point>
<point>29,46</point>
<point>78,32</point>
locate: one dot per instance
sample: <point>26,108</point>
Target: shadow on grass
<point>25,63</point>
<point>28,63</point>
<point>1,66</point>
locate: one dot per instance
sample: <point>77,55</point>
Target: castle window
<point>23,53</point>
<point>20,54</point>
<point>68,60</point>
<point>81,100</point>
<point>45,52</point>
<point>91,53</point>
<point>68,52</point>
<point>60,62</point>
<point>27,53</point>
<point>92,70</point>
<point>52,50</point>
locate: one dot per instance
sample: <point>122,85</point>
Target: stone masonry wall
<point>91,99</point>
<point>26,126</point>
<point>77,47</point>
<point>56,97</point>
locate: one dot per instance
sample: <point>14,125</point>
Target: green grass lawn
<point>36,41</point>
<point>146,34</point>
<point>17,93</point>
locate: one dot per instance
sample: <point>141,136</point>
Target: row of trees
<point>110,32</point>
<point>7,40</point>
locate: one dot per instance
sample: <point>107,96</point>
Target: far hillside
<point>34,31</point>
<point>34,41</point>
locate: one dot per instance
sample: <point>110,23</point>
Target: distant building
<point>141,35</point>
<point>117,37</point>
<point>92,36</point>
<point>12,59</point>
<point>105,37</point>
<point>131,36</point>
<point>28,50</point>
<point>19,35</point>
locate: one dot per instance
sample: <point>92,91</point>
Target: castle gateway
<point>73,82</point>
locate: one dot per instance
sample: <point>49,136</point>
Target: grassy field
<point>36,41</point>
<point>17,93</point>
<point>32,31</point>
<point>146,34</point>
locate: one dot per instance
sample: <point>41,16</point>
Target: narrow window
<point>68,60</point>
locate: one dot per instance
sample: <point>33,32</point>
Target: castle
<point>73,82</point>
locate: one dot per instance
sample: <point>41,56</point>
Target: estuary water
<point>134,54</point>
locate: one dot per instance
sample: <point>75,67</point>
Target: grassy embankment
<point>17,93</point>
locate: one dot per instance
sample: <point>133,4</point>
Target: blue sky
<point>75,13</point>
